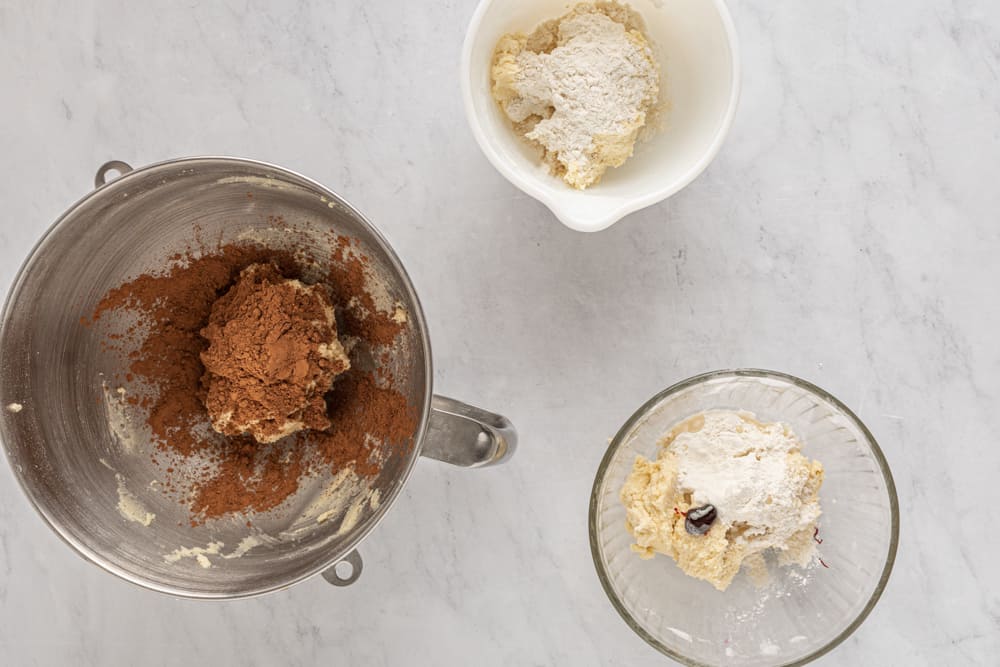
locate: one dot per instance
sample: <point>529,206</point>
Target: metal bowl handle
<point>466,436</point>
<point>114,165</point>
<point>354,560</point>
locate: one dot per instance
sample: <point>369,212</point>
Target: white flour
<point>743,469</point>
<point>592,91</point>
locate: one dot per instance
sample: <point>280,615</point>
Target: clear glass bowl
<point>802,613</point>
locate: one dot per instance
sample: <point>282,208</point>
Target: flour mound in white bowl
<point>580,87</point>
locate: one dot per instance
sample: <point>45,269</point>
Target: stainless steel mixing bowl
<point>62,428</point>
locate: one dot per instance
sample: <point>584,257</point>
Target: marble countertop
<point>847,233</point>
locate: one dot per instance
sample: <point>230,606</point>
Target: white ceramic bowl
<point>695,43</point>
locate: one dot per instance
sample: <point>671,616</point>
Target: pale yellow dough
<point>656,502</point>
<point>538,81</point>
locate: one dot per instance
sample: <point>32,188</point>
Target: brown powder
<point>250,477</point>
<point>174,307</point>
<point>273,351</point>
<point>347,439</point>
<point>368,421</point>
<point>346,281</point>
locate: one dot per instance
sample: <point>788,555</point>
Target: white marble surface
<point>847,233</point>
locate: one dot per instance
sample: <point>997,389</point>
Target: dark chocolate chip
<point>700,519</point>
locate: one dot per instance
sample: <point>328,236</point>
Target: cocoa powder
<point>369,421</point>
<point>250,478</point>
<point>272,353</point>
<point>174,307</point>
<point>346,280</point>
<point>348,438</point>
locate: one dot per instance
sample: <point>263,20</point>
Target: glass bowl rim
<point>618,440</point>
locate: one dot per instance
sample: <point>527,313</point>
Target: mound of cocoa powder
<point>366,416</point>
<point>272,353</point>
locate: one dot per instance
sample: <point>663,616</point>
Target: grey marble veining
<point>847,233</point>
